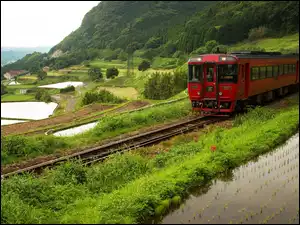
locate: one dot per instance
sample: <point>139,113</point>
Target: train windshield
<point>228,73</point>
<point>195,73</point>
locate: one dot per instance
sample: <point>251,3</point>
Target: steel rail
<point>95,154</point>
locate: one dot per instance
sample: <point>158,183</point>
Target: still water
<point>76,130</point>
<point>27,110</point>
<point>263,191</point>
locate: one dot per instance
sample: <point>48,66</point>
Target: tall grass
<point>129,188</point>
<point>14,148</point>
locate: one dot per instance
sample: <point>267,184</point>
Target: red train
<point>224,83</point>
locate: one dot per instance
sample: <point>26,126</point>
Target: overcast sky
<point>40,23</point>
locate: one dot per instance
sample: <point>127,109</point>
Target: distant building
<point>46,69</point>
<point>13,73</point>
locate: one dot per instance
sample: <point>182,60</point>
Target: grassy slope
<point>284,44</point>
<point>16,148</point>
<point>128,188</point>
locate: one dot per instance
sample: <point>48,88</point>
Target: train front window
<point>228,73</point>
<point>195,73</point>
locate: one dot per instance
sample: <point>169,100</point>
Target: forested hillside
<point>116,24</point>
<point>170,29</point>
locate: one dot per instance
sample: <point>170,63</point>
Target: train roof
<point>260,54</point>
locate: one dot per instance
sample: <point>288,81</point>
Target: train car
<point>224,83</point>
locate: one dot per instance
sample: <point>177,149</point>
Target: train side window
<point>280,70</point>
<point>294,68</point>
<point>269,71</point>
<point>285,69</point>
<point>290,68</point>
<point>254,73</point>
<point>275,71</point>
<point>262,72</point>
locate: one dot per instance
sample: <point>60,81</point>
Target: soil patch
<point>65,118</point>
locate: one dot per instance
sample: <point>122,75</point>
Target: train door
<point>247,80</point>
<point>209,82</point>
<point>241,82</point>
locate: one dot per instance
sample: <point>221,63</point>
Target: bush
<point>164,85</point>
<point>42,95</point>
<point>112,73</point>
<point>144,65</point>
<point>103,96</point>
<point>67,89</point>
<point>95,74</point>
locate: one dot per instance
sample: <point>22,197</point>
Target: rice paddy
<point>262,191</point>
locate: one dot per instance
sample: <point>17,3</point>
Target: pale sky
<point>40,23</point>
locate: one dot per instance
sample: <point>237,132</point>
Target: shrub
<point>112,73</point>
<point>164,85</point>
<point>101,96</point>
<point>67,89</point>
<point>144,65</point>
<point>95,73</point>
<point>42,95</point>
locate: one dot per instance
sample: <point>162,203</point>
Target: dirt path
<point>71,102</point>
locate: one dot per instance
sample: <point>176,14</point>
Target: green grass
<point>129,188</point>
<point>17,98</point>
<point>285,44</point>
<point>16,148</point>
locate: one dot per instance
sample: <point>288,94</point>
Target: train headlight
<point>220,93</point>
<point>198,93</point>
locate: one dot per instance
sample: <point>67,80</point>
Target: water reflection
<point>265,190</point>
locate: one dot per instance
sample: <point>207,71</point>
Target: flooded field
<point>6,122</point>
<point>62,85</point>
<point>263,191</point>
<point>76,130</point>
<point>27,110</point>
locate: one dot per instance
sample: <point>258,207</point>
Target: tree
<point>95,74</point>
<point>112,73</point>
<point>41,74</point>
<point>210,45</point>
<point>144,65</point>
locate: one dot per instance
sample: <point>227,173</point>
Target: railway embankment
<point>130,188</point>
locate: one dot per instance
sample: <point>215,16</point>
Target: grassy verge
<point>129,188</point>
<point>15,148</point>
<point>285,44</point>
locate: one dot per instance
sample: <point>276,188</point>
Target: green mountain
<point>168,29</point>
<point>115,24</point>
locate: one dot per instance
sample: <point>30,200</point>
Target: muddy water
<point>263,191</point>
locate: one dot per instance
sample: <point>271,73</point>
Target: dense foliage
<point>67,89</point>
<point>165,85</point>
<point>144,65</point>
<point>42,95</point>
<point>102,96</point>
<point>112,73</point>
<point>95,74</point>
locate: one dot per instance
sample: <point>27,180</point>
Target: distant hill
<point>12,54</point>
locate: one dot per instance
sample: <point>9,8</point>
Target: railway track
<point>92,155</point>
